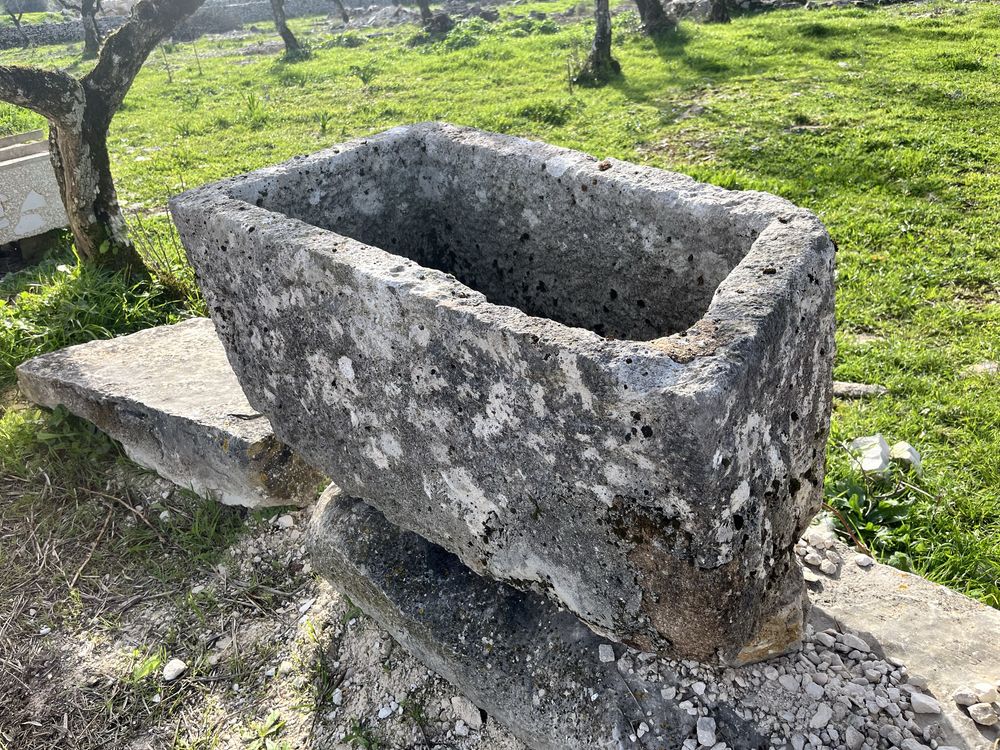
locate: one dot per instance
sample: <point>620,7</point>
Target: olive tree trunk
<point>600,65</point>
<point>719,12</point>
<point>654,18</point>
<point>79,112</point>
<point>425,11</point>
<point>292,46</point>
<point>342,10</point>
<point>88,18</point>
<point>91,33</point>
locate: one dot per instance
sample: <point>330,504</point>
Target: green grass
<point>882,121</point>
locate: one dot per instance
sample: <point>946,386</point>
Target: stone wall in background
<point>214,18</point>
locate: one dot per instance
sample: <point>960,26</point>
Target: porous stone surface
<point>30,204</point>
<point>592,379</point>
<point>169,396</point>
<point>534,668</point>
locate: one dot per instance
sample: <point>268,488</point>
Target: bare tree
<point>79,111</point>
<point>15,11</point>
<point>600,65</point>
<point>654,18</point>
<point>88,10</point>
<point>719,12</point>
<point>425,11</point>
<point>343,11</point>
<point>293,49</point>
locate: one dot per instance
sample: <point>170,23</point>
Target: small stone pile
<point>817,551</point>
<point>835,693</point>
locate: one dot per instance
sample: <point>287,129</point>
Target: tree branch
<point>51,93</point>
<point>126,50</point>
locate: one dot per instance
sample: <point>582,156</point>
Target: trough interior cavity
<point>584,251</point>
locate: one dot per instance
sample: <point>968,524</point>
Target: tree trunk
<point>82,166</point>
<point>654,19</point>
<point>16,18</point>
<point>343,11</point>
<point>91,34</point>
<point>719,12</point>
<point>425,11</point>
<point>79,112</point>
<point>600,65</point>
<point>292,46</point>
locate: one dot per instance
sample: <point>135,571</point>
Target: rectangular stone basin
<point>591,379</point>
<point>30,204</point>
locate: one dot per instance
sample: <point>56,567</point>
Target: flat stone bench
<point>169,396</point>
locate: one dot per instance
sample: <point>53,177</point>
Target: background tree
<point>15,10</point>
<point>600,65</point>
<point>88,10</point>
<point>719,12</point>
<point>654,18</point>
<point>342,10</point>
<point>425,11</point>
<point>79,111</point>
<point>293,50</point>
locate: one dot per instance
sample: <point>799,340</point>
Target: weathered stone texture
<point>597,380</point>
<point>170,397</point>
<point>531,665</point>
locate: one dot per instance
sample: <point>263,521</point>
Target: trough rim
<point>715,347</point>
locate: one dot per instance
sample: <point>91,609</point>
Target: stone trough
<point>29,195</point>
<point>590,379</point>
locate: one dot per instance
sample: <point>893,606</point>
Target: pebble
<point>924,704</point>
<point>822,716</point>
<point>706,731</point>
<point>285,521</point>
<point>467,711</point>
<point>854,643</point>
<point>789,682</point>
<point>864,561</point>
<point>606,653</point>
<point>828,567</point>
<point>174,669</point>
<point>461,729</point>
<point>983,714</point>
<point>986,692</point>
<point>965,696</point>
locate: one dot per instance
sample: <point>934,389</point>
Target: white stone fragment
<point>822,716</point>
<point>467,711</point>
<point>284,521</point>
<point>173,669</point>
<point>986,692</point>
<point>606,653</point>
<point>924,704</point>
<point>863,561</point>
<point>965,696</point>
<point>906,453</point>
<point>853,642</point>
<point>983,714</point>
<point>872,453</point>
<point>706,731</point>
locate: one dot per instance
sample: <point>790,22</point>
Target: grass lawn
<point>882,121</point>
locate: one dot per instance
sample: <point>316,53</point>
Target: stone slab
<point>169,396</point>
<point>592,379</point>
<point>535,668</point>
<point>30,203</point>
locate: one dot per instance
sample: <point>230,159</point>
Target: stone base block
<point>531,665</point>
<point>882,653</point>
<point>169,396</point>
